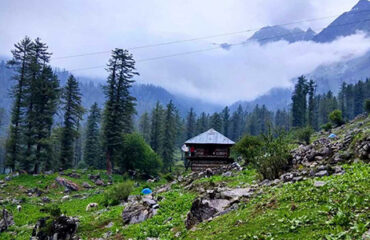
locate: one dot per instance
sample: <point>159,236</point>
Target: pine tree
<point>202,123</point>
<point>216,122</point>
<point>39,60</point>
<point>71,100</point>
<point>46,99</point>
<point>169,136</point>
<point>144,127</point>
<point>299,103</point>
<point>156,133</point>
<point>311,103</point>
<point>119,106</point>
<point>190,124</point>
<point>20,63</point>
<point>225,115</point>
<point>92,151</point>
<point>237,123</point>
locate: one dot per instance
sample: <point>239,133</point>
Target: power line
<point>203,37</point>
<point>213,48</point>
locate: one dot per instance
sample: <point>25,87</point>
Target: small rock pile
<point>62,228</point>
<point>362,148</point>
<point>6,220</point>
<point>67,184</point>
<point>138,210</point>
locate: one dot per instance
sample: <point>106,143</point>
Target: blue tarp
<point>146,191</point>
<point>332,135</point>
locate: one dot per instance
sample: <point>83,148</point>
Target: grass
<point>339,210</point>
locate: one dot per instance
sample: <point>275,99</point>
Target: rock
<point>86,185</point>
<point>6,220</point>
<point>65,198</point>
<point>99,182</point>
<point>297,179</point>
<point>322,173</point>
<point>227,174</point>
<point>236,193</point>
<point>94,177</point>
<point>319,183</point>
<point>45,199</point>
<point>137,212</point>
<point>8,178</point>
<point>149,202</point>
<point>75,175</point>
<point>202,210</point>
<point>67,183</point>
<point>49,172</point>
<point>62,228</point>
<point>109,225</point>
<point>366,235</point>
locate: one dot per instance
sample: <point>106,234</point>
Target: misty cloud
<point>244,72</point>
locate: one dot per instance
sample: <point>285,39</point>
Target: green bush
<point>276,153</point>
<point>304,134</point>
<point>336,118</point>
<point>327,127</point>
<point>367,105</point>
<point>137,155</point>
<point>82,165</point>
<point>249,147</point>
<point>268,153</point>
<point>169,177</point>
<point>117,193</point>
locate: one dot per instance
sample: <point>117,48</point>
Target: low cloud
<point>247,71</point>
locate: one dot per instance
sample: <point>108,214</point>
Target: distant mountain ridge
<point>277,33</point>
<point>327,77</point>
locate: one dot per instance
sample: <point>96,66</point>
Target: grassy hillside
<point>337,210</point>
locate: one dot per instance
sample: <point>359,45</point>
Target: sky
<point>73,27</point>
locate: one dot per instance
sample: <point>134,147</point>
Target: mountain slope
<point>357,19</point>
<point>277,33</point>
<point>146,94</point>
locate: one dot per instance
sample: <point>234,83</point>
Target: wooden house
<point>210,149</point>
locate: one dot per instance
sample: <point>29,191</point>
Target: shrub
<point>82,165</point>
<point>269,153</point>
<point>117,193</point>
<point>137,155</point>
<point>336,117</point>
<point>276,153</point>
<point>367,105</point>
<point>304,134</point>
<point>249,147</point>
<point>327,126</point>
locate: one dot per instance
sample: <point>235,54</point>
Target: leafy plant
<point>336,117</point>
<point>304,134</point>
<point>117,193</point>
<point>327,126</point>
<point>249,147</point>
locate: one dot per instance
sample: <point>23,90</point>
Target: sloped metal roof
<point>210,137</point>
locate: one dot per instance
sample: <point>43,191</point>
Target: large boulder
<point>67,184</point>
<point>6,220</point>
<point>139,211</point>
<point>61,228</point>
<point>204,209</point>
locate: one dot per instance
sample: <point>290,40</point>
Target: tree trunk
<point>109,163</point>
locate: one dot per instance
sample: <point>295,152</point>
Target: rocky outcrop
<point>6,220</point>
<point>214,203</point>
<point>139,210</point>
<point>61,228</point>
<point>67,184</point>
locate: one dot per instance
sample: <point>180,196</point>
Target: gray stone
<point>6,220</point>
<point>322,173</point>
<point>319,183</point>
<point>62,228</point>
<point>227,174</point>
